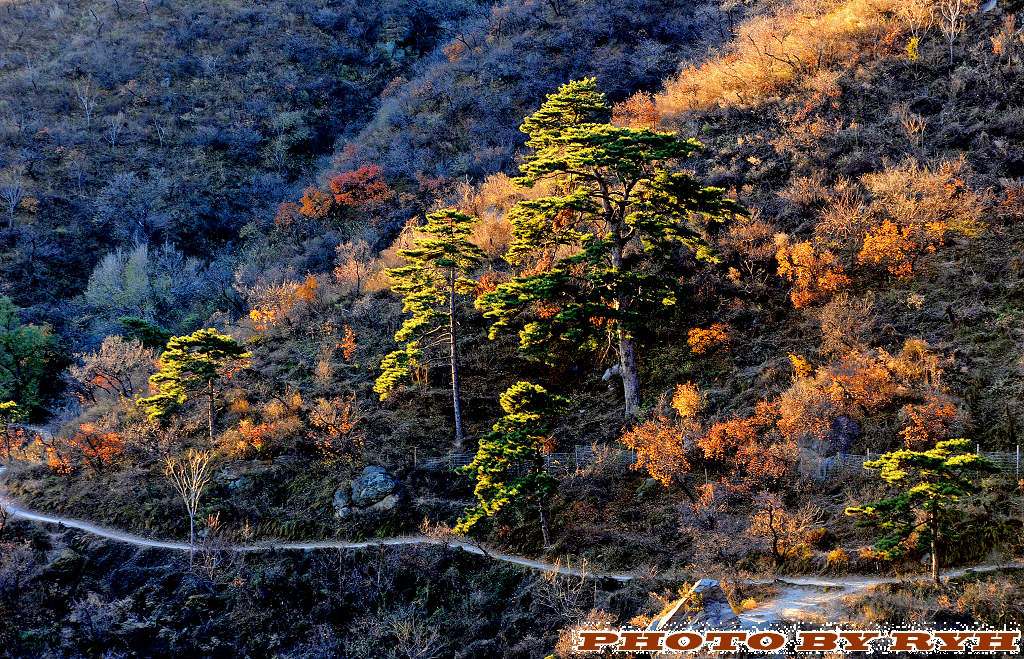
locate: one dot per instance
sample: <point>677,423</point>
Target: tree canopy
<point>191,363</point>
<point>931,484</point>
<point>509,465</point>
<point>435,276</point>
<point>596,257</point>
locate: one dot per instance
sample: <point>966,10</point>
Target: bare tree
<point>952,21</point>
<point>189,474</point>
<point>116,125</point>
<point>919,15</point>
<point>86,94</point>
<point>13,188</point>
<point>118,370</point>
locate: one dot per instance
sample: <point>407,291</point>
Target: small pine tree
<point>931,484</point>
<point>432,282</point>
<point>595,254</point>
<point>191,363</point>
<point>509,465</point>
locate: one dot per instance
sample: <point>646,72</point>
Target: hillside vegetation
<point>722,263</point>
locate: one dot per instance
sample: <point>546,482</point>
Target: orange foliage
<point>1012,203</point>
<point>771,461</point>
<point>287,213</point>
<point>255,437</point>
<point>11,439</point>
<point>315,204</point>
<point>897,248</point>
<point>334,428</point>
<point>860,381</point>
<point>637,111</point>
<point>687,400</point>
<point>360,186</point>
<point>659,449</point>
<point>488,282</point>
<point>56,457</point>
<point>724,439</point>
<point>814,274</point>
<point>348,344</point>
<point>801,366</point>
<point>97,449</point>
<point>707,340</point>
<point>929,423</point>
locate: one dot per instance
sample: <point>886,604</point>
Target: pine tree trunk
<point>544,528</point>
<point>627,351</point>
<point>210,411</point>
<point>630,379</point>
<point>935,547</point>
<point>456,405</point>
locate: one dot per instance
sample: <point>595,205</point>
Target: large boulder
<point>374,490</point>
<point>372,486</point>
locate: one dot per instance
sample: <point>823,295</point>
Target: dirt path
<point>797,598</point>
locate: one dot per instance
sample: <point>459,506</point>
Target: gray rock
<point>387,503</point>
<point>706,606</point>
<point>373,485</point>
<point>342,502</point>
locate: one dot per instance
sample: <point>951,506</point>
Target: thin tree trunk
<point>456,405</point>
<point>544,528</point>
<point>191,537</point>
<point>935,547</point>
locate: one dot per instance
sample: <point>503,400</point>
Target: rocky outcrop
<point>372,491</point>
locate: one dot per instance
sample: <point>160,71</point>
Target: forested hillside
<point>685,290</point>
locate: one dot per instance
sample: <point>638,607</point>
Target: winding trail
<point>16,510</point>
<point>798,598</point>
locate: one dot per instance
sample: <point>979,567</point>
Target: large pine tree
<point>192,363</point>
<point>594,256</point>
<point>432,282</point>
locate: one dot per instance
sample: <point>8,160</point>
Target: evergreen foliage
<point>931,485</point>
<point>595,257</point>
<point>509,465</point>
<point>436,275</point>
<point>191,363</point>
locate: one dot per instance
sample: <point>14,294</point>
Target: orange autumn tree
<point>57,458</point>
<point>816,273</point>
<point>97,449</point>
<point>897,248</point>
<point>637,111</point>
<point>272,304</point>
<point>359,187</point>
<point>315,204</point>
<point>334,428</point>
<point>714,338</point>
<point>930,422</point>
<point>660,443</point>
